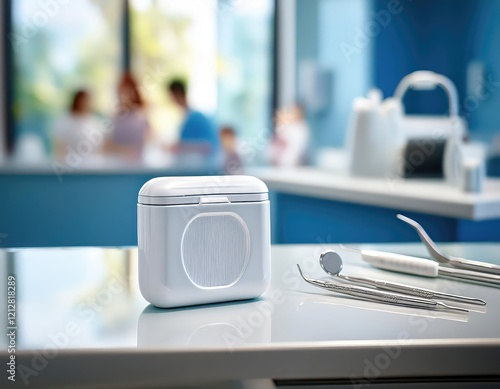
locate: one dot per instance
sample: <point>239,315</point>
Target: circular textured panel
<point>215,249</point>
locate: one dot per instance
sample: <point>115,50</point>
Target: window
<point>174,39</point>
<point>222,48</point>
<point>245,46</point>
<point>58,47</point>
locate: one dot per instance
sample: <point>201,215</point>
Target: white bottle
<point>392,113</point>
<point>453,155</point>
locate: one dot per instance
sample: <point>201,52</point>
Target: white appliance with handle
<point>380,131</point>
<point>430,126</point>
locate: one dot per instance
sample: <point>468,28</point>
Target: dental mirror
<point>331,262</point>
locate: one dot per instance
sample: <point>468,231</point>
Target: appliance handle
<point>427,80</point>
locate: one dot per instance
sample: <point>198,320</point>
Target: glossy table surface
<point>80,314</point>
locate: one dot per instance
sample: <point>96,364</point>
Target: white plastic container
<point>203,239</point>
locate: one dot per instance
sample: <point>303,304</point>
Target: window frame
<point>8,69</point>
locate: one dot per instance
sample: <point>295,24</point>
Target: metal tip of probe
<point>309,280</point>
<point>474,301</point>
<point>300,270</point>
<point>452,308</point>
<point>302,274</point>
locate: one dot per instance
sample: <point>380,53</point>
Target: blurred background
<point>98,96</point>
<point>222,49</point>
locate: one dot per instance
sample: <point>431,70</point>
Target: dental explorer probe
<point>378,296</point>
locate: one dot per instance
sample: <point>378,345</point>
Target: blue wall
<point>485,46</point>
<point>426,35</point>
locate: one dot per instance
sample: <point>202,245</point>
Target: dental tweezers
<point>439,256</point>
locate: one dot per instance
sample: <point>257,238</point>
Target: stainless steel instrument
<point>382,297</point>
<point>439,256</point>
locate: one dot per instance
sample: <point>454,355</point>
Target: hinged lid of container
<point>204,189</point>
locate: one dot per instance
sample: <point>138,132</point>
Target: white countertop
<point>429,196</point>
<point>104,165</point>
<point>85,306</point>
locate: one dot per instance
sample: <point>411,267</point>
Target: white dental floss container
<point>203,239</point>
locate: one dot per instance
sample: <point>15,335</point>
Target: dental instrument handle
<point>401,263</point>
<point>478,266</point>
<point>375,295</point>
<point>423,267</point>
<point>413,291</point>
<point>469,275</point>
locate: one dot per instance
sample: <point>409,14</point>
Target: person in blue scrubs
<point>198,134</point>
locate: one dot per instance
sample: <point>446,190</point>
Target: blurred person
<point>291,141</point>
<point>197,133</point>
<point>75,131</point>
<point>131,125</point>
<point>232,161</point>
